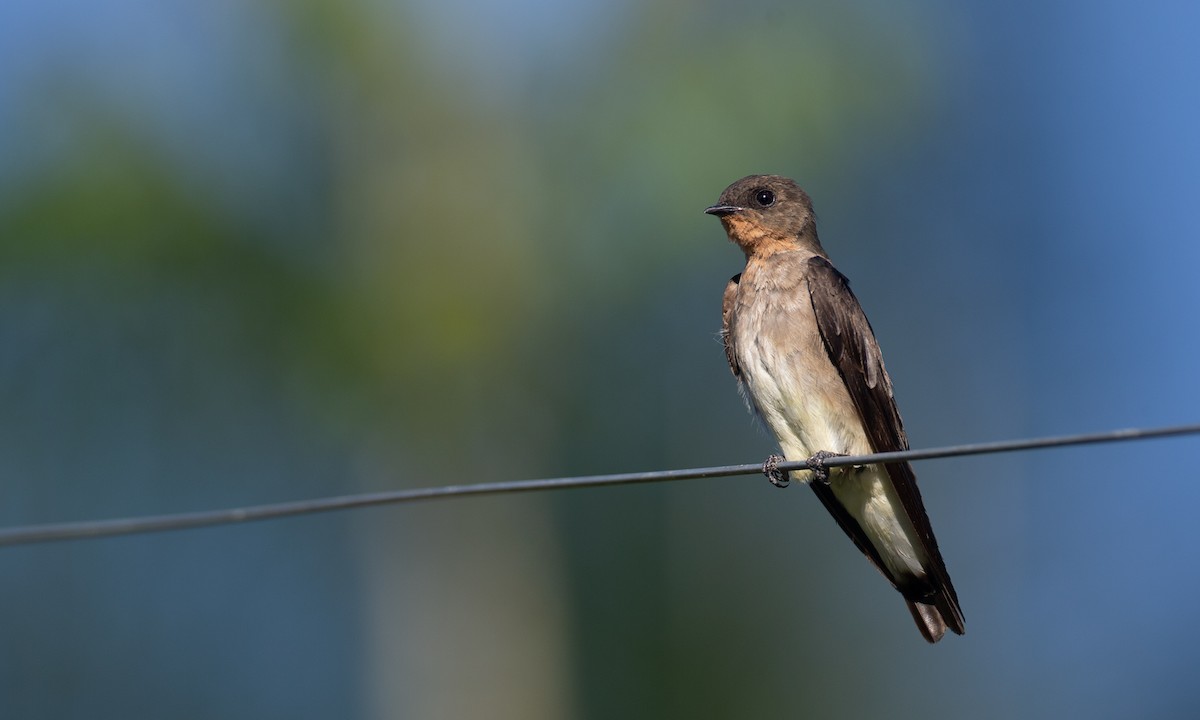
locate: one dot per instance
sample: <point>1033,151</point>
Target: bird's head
<point>764,214</point>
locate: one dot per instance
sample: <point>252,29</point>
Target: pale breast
<point>786,372</point>
<point>800,395</point>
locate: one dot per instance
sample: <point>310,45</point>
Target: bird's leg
<point>778,478</point>
<point>816,463</point>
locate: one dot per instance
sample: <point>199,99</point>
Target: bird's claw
<point>816,464</point>
<point>778,478</point>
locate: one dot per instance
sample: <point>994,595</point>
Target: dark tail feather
<point>930,621</point>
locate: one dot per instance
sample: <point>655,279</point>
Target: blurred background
<point>262,251</point>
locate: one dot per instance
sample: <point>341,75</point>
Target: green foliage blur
<point>292,249</point>
<point>253,252</point>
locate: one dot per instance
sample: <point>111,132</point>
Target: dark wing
<point>850,343</point>
<point>851,346</point>
<point>726,310</point>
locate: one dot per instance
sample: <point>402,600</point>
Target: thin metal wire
<point>29,534</point>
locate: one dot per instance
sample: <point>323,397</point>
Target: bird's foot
<point>816,464</point>
<point>778,478</point>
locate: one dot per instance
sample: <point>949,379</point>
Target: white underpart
<point>812,411</point>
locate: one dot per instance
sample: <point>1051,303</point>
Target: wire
<point>29,534</point>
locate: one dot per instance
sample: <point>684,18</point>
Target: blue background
<point>259,251</point>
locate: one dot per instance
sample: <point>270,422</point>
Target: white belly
<point>802,399</point>
<point>794,387</point>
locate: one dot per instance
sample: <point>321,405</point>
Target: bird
<point>807,362</point>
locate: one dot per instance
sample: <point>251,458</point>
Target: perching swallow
<point>806,359</point>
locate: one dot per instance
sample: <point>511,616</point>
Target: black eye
<point>765,198</point>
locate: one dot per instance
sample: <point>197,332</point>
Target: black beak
<point>722,210</point>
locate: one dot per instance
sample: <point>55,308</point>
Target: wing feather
<point>727,301</point>
<point>851,346</point>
